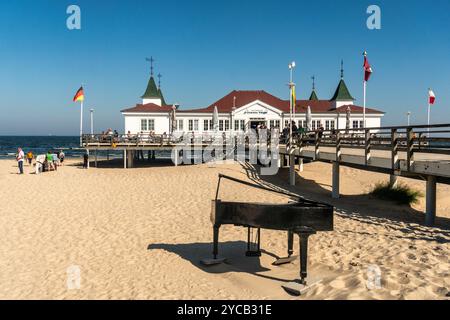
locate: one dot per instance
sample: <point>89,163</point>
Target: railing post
<point>394,149</point>
<point>409,147</point>
<point>316,145</point>
<point>338,146</point>
<point>367,147</point>
<point>430,214</point>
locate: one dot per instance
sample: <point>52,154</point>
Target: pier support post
<point>96,158</point>
<point>335,178</point>
<point>430,213</point>
<point>283,160</point>
<point>124,158</point>
<point>130,158</point>
<point>291,169</point>
<point>89,160</point>
<point>300,164</point>
<point>393,180</point>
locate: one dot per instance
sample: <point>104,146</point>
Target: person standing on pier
<point>20,156</point>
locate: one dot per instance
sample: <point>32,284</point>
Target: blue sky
<point>204,49</point>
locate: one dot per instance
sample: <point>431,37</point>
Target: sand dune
<point>140,233</point>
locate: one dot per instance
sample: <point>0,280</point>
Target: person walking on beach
<point>85,160</point>
<point>30,157</point>
<point>20,156</point>
<point>61,157</point>
<point>50,164</point>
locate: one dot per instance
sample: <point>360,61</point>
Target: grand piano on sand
<point>301,216</point>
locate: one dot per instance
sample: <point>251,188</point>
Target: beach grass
<point>400,193</point>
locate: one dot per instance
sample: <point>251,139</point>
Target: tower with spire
<point>342,95</point>
<point>159,90</point>
<point>313,95</point>
<point>153,94</point>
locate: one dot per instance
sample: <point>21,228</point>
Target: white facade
<point>241,119</point>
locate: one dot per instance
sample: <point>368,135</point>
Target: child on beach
<point>30,157</point>
<point>19,157</point>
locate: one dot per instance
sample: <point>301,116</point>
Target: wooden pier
<point>418,152</point>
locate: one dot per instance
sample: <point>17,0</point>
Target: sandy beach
<point>140,234</point>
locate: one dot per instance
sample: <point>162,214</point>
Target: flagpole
<point>364,103</point>
<point>81,124</point>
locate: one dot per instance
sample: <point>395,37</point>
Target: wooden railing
<point>420,138</point>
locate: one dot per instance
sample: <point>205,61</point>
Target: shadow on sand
<point>233,251</point>
<point>117,163</point>
<point>369,209</point>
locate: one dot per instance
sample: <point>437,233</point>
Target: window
<point>191,125</point>
<point>205,125</point>
<point>361,124</point>
<point>180,125</point>
<point>147,124</point>
<point>196,125</point>
<point>227,125</point>
<point>277,123</point>
<point>144,125</point>
<point>355,124</point>
<point>313,126</point>
<point>286,123</point>
<point>271,124</point>
<point>220,125</point>
<point>329,125</point>
<point>211,125</point>
<point>151,124</point>
<point>242,122</point>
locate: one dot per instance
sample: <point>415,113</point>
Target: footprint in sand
<point>411,256</point>
<point>338,284</point>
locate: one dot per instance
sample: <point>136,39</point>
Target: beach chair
<point>40,159</point>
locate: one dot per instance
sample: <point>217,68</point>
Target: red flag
<point>431,96</point>
<point>367,69</point>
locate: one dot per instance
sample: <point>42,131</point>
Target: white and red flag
<point>431,96</point>
<point>367,68</point>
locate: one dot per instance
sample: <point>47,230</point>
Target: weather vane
<point>313,79</point>
<point>342,69</point>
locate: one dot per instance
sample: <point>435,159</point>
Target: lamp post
<point>92,122</point>
<point>291,111</point>
<point>408,115</point>
<point>291,107</point>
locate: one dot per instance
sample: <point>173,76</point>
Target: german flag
<point>79,96</point>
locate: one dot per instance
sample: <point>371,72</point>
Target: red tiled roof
<point>355,109</point>
<point>239,98</point>
<point>149,107</point>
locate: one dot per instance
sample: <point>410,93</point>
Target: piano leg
<point>215,260</point>
<point>290,257</point>
<point>290,243</point>
<point>304,254</point>
<point>216,241</point>
<point>299,287</point>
